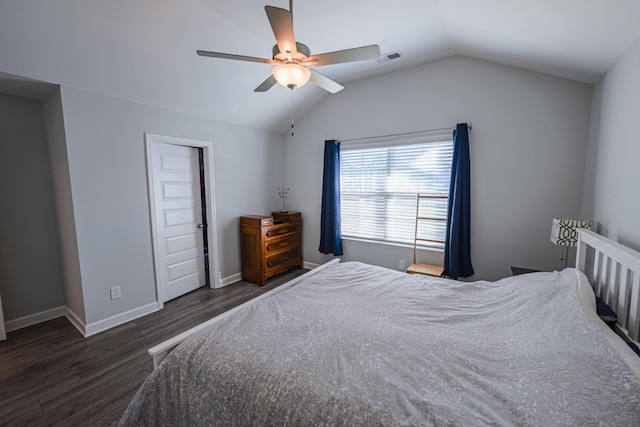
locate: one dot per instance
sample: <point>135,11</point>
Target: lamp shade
<point>291,75</point>
<point>563,230</point>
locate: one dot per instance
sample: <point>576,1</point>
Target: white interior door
<point>178,219</point>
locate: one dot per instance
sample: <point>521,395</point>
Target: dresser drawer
<point>279,217</point>
<point>283,243</point>
<point>282,229</point>
<point>270,245</point>
<point>291,256</point>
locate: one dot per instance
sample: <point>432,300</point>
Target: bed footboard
<point>160,351</point>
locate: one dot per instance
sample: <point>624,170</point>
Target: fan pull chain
<point>291,111</point>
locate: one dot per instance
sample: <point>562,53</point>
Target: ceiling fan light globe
<point>291,75</point>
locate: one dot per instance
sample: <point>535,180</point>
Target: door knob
<point>200,226</point>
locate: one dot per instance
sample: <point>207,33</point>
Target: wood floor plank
<point>23,415</point>
<point>18,409</point>
<point>51,375</point>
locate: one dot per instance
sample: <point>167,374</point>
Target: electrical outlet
<point>401,265</point>
<point>116,293</point>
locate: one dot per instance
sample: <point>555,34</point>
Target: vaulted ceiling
<point>144,50</point>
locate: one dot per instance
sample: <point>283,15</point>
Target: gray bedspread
<point>363,345</point>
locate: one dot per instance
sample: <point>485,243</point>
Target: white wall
<point>527,144</point>
<point>611,193</point>
<point>54,120</point>
<point>106,158</point>
<point>31,279</point>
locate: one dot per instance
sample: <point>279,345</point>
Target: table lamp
<point>563,233</point>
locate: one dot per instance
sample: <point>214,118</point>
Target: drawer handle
<point>280,260</point>
<point>280,245</point>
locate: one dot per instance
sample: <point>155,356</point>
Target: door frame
<point>3,331</point>
<point>209,185</point>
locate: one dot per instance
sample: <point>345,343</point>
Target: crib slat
<point>611,283</point>
<point>634,309</point>
<point>595,277</point>
<point>615,277</point>
<point>622,306</point>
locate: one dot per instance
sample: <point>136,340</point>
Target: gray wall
<point>107,169</point>
<point>54,120</point>
<point>31,278</point>
<point>611,195</point>
<point>528,146</point>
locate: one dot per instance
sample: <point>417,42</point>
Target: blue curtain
<point>330,232</point>
<point>457,247</point>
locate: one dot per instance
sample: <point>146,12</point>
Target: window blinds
<point>379,184</point>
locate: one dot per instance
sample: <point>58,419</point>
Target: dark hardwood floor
<point>51,376</point>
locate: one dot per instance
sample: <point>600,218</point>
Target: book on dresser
<point>270,245</point>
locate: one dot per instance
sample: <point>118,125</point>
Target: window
<point>379,182</point>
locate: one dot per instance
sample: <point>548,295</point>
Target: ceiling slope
<point>144,51</point>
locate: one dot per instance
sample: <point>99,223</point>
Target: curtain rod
<point>402,134</point>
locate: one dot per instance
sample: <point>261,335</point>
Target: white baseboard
<point>102,325</point>
<point>75,321</point>
<point>238,276</point>
<point>85,329</point>
<point>119,319</point>
<point>310,265</point>
<point>230,279</point>
<point>33,319</point>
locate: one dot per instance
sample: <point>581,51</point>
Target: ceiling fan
<point>292,58</point>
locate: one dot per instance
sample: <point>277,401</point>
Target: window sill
<point>398,245</point>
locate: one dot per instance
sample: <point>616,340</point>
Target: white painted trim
<point>34,319</point>
<point>113,321</point>
<point>3,328</point>
<point>119,319</point>
<point>76,321</point>
<point>230,279</point>
<point>85,330</point>
<point>152,218</point>
<point>209,183</point>
<point>160,351</point>
<point>226,281</point>
<point>310,265</point>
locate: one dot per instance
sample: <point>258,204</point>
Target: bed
<point>354,344</point>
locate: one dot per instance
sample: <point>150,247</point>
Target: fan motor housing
<point>303,53</point>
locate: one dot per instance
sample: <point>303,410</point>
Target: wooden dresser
<point>270,245</point>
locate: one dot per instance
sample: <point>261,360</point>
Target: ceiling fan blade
<point>325,82</point>
<point>266,85</point>
<point>347,55</point>
<point>282,26</point>
<point>235,57</point>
